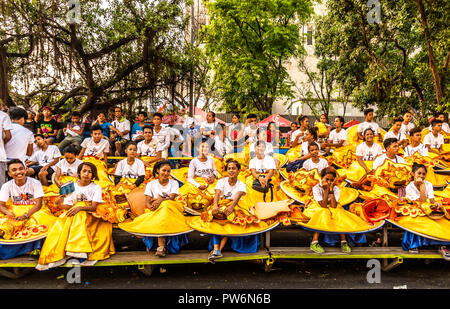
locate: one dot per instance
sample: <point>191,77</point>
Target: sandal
<point>161,251</point>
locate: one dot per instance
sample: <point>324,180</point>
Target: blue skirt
<point>173,243</point>
<point>241,244</point>
<point>11,251</point>
<point>412,241</point>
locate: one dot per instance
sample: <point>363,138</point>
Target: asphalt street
<point>285,274</point>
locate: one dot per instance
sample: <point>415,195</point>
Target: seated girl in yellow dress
<point>26,210</point>
<point>77,233</point>
<point>149,149</point>
<point>368,150</point>
<point>131,167</point>
<point>67,167</point>
<point>421,190</point>
<point>163,215</point>
<point>315,162</point>
<point>202,166</point>
<point>230,190</point>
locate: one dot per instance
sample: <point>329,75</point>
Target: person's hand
<point>419,182</point>
<point>263,181</point>
<point>10,215</point>
<point>210,180</point>
<point>215,211</point>
<point>74,210</point>
<point>228,210</point>
<point>325,185</point>
<point>147,163</point>
<point>203,187</point>
<point>22,217</point>
<point>156,204</point>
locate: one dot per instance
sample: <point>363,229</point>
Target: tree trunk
<point>3,78</point>
<point>432,60</point>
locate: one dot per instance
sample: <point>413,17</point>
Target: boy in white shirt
<point>368,123</point>
<point>5,136</point>
<point>407,124</point>
<point>120,130</point>
<point>416,145</point>
<point>250,129</point>
<point>95,146</point>
<point>338,137</point>
<point>42,161</point>
<point>20,146</point>
<point>391,146</point>
<point>162,135</point>
<point>149,147</point>
<point>435,140</point>
<point>396,133</point>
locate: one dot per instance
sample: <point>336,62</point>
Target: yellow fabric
<point>167,219</point>
<point>355,172</point>
<point>180,174</point>
<point>322,128</point>
<point>424,225</point>
<point>334,219</point>
<point>82,233</point>
<point>227,229</point>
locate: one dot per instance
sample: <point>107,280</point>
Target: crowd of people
<point>232,168</point>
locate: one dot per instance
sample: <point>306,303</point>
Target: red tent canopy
<point>279,121</point>
<point>351,123</point>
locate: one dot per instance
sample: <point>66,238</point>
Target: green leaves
<point>248,43</point>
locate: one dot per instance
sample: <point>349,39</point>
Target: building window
<point>309,35</point>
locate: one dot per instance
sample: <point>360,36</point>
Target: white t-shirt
<point>222,147</point>
<point>198,168</point>
<point>175,135</point>
<point>150,149</point>
<point>23,195</point>
<point>262,165</point>
<point>125,125</point>
<point>5,125</point>
<point>310,165</point>
<point>421,148</point>
<point>95,149</point>
<point>163,138</point>
<point>90,193</point>
<point>229,192</point>
<point>304,148</point>
<point>21,137</point>
<point>210,126</point>
<point>45,157</point>
<point>135,170</point>
<point>251,133</point>
<point>68,169</point>
<point>405,129</point>
<point>267,152</point>
<point>368,153</point>
<point>155,189</point>
<point>434,142</point>
<point>400,136</point>
<point>373,125</point>
<point>336,137</point>
<point>413,194</point>
<point>294,135</point>
<point>380,160</point>
<point>318,193</point>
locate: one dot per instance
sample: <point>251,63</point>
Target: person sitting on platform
<point>422,191</point>
<point>368,150</point>
<point>262,166</point>
<point>368,123</point>
<point>407,124</point>
<point>262,138</point>
<point>434,140</point>
<point>95,146</point>
<point>391,146</point>
<point>73,131</point>
<point>149,147</point>
<point>230,188</point>
<point>298,135</point>
<point>315,161</point>
<point>161,134</point>
<point>338,137</point>
<point>326,193</point>
<point>202,166</point>
<point>67,166</point>
<point>42,161</point>
<point>416,145</point>
<point>131,167</point>
<point>396,133</point>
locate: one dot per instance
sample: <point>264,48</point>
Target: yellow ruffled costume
<point>79,236</point>
<point>166,220</point>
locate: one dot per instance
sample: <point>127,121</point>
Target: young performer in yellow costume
<point>131,169</point>
<point>422,191</point>
<point>77,233</point>
<point>25,211</point>
<point>149,150</point>
<point>163,215</point>
<point>328,216</point>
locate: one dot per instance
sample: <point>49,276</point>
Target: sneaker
<point>414,250</point>
<point>316,248</point>
<point>161,251</point>
<point>214,255</point>
<point>345,247</point>
<point>445,253</point>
